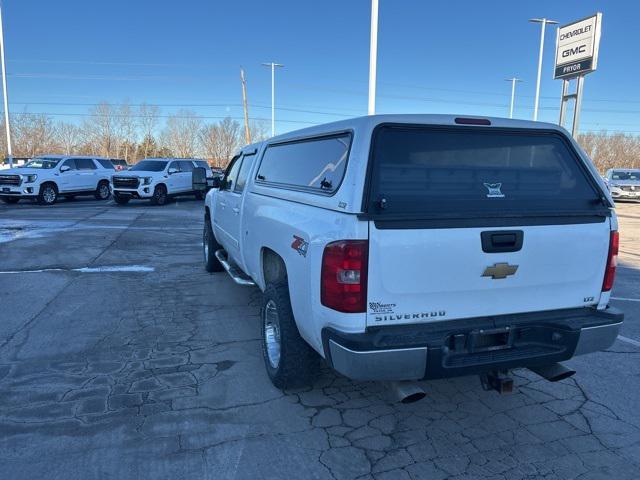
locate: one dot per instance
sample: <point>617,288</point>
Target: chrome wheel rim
<point>49,195</point>
<point>104,191</point>
<point>272,333</point>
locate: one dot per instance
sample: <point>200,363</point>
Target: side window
<point>243,174</point>
<point>186,166</point>
<point>71,163</point>
<point>316,164</point>
<point>106,164</point>
<point>85,164</point>
<point>175,165</point>
<point>232,173</point>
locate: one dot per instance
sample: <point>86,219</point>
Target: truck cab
<point>407,247</point>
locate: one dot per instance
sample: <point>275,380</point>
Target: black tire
<point>10,200</point>
<point>121,200</point>
<point>160,196</point>
<point>298,363</point>
<point>209,246</point>
<point>102,191</point>
<point>199,195</point>
<point>48,194</point>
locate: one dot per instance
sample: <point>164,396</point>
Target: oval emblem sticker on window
<point>494,190</point>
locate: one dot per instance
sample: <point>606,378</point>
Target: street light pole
<point>273,94</point>
<point>513,81</point>
<point>373,57</point>
<point>5,94</point>
<point>544,22</point>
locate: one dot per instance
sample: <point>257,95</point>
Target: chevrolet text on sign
<point>577,47</point>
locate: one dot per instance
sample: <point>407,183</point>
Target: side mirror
<point>172,171</point>
<point>215,182</point>
<point>65,168</point>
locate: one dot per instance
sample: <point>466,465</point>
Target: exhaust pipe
<point>406,392</point>
<point>554,372</point>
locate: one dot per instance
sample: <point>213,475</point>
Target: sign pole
<point>578,106</point>
<point>563,101</point>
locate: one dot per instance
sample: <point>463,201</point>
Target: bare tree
<point>259,130</point>
<point>101,129</point>
<point>126,132</point>
<point>148,116</point>
<point>68,137</point>
<point>611,150</point>
<point>220,141</point>
<point>181,133</point>
<point>33,134</point>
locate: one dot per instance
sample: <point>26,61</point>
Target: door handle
<point>501,241</point>
<point>236,210</point>
<point>222,204</point>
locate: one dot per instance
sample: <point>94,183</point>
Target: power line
<point>118,115</point>
<point>182,105</point>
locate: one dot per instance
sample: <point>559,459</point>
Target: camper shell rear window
<point>473,172</point>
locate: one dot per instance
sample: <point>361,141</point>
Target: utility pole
<point>4,91</point>
<point>273,95</point>
<point>544,23</point>
<point>247,133</point>
<point>513,81</point>
<point>373,57</point>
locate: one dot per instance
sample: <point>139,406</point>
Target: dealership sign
<point>577,47</point>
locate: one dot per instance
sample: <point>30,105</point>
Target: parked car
<point>119,164</point>
<point>405,247</point>
<point>48,177</point>
<point>17,162</point>
<point>624,184</point>
<point>156,179</point>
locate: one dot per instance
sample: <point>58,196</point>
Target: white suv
<point>157,179</point>
<point>48,177</point>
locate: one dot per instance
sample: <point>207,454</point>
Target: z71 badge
<point>300,245</point>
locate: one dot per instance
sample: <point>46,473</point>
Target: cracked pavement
<point>158,374</point>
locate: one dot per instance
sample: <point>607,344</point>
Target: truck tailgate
<point>480,221</point>
<point>425,275</point>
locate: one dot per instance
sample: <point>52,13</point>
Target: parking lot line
<point>105,269</point>
<point>626,299</point>
<point>630,341</point>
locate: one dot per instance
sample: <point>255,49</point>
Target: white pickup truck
<point>408,247</point>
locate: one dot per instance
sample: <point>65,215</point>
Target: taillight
<point>612,262</point>
<point>343,285</point>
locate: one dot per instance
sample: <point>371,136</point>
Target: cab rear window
<point>471,172</point>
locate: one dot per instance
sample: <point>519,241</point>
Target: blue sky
<point>434,57</point>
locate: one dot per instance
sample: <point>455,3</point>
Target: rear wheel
<point>199,195</point>
<point>289,360</point>
<point>159,195</point>
<point>48,194</point>
<point>209,247</point>
<point>10,200</point>
<point>120,200</point>
<point>102,192</point>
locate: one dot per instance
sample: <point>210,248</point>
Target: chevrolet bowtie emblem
<point>500,270</point>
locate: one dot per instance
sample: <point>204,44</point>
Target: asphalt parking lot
<point>120,357</point>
